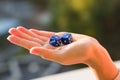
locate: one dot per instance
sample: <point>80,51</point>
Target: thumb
<point>44,52</point>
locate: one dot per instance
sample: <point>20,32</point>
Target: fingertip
<point>34,50</point>
<point>11,30</point>
<point>8,38</point>
<point>11,38</point>
<point>20,27</point>
<point>33,30</point>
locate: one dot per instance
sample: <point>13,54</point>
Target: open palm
<point>37,43</point>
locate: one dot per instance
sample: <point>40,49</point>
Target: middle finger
<point>26,31</point>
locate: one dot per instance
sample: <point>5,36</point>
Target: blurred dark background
<point>96,18</point>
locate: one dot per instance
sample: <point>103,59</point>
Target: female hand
<point>84,49</point>
<point>79,51</point>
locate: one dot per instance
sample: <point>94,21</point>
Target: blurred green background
<point>96,18</point>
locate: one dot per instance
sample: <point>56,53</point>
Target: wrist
<point>102,65</point>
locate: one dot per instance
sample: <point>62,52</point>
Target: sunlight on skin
<point>37,42</point>
<point>32,34</point>
<point>84,49</point>
<point>23,35</point>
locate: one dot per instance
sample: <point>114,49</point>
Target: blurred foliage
<point>22,52</point>
<point>81,16</point>
<point>41,4</point>
<point>97,18</point>
<point>3,42</point>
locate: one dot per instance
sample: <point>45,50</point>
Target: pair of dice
<point>57,41</point>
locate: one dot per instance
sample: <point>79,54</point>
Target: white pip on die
<point>66,38</point>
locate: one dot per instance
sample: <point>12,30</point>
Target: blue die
<point>55,41</point>
<point>66,38</point>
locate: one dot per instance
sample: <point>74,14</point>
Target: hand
<point>79,51</point>
<point>84,49</point>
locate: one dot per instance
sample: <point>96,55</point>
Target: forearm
<point>102,65</point>
<point>105,69</point>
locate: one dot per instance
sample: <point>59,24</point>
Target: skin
<point>84,49</point>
